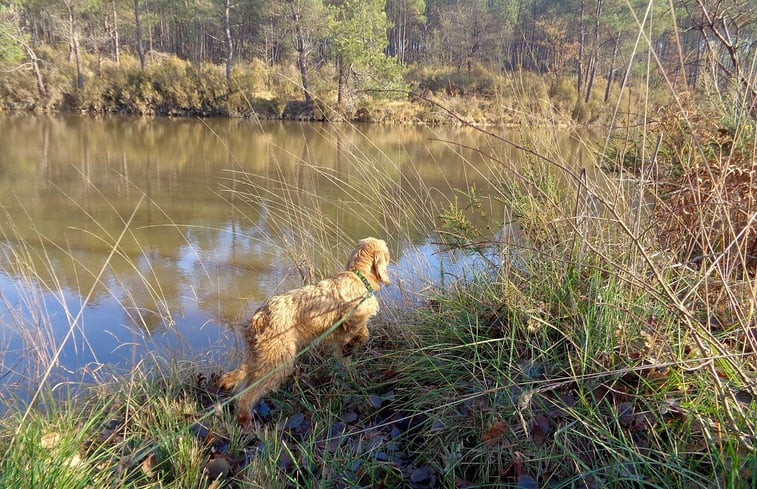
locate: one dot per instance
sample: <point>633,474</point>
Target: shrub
<point>707,217</point>
<point>563,94</point>
<point>454,81</point>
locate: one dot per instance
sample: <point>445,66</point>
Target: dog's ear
<point>380,263</point>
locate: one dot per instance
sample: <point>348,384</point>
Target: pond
<point>122,238</point>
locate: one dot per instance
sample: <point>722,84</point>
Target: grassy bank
<point>612,346</point>
<point>171,86</point>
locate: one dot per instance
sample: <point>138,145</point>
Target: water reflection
<point>207,205</point>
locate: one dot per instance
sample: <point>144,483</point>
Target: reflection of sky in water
<point>428,268</point>
<point>103,341</point>
<point>106,335</point>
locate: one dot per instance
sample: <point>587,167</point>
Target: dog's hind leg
<point>267,372</point>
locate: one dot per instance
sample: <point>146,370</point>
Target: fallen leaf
<point>421,474</point>
<point>376,401</point>
<point>50,440</point>
<point>147,466</point>
<point>625,413</point>
<point>284,461</point>
<point>263,409</point>
<point>532,370</point>
<point>527,482</point>
<point>74,461</point>
<point>349,417</point>
<point>294,421</point>
<point>540,428</point>
<point>494,433</point>
<point>744,396</point>
<point>337,429</point>
<point>106,436</point>
<point>199,430</point>
<point>244,420</point>
<point>461,483</point>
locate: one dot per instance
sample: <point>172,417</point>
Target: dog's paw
<point>230,380</point>
<point>224,383</point>
<point>349,349</point>
<point>244,420</point>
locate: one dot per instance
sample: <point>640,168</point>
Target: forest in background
<point>358,58</point>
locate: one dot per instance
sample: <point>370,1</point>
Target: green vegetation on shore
<point>170,86</point>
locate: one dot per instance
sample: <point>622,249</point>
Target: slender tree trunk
<point>140,44</point>
<point>302,55</point>
<point>594,52</point>
<point>592,71</point>
<point>694,78</point>
<point>342,82</point>
<point>149,30</point>
<point>229,43</point>
<point>581,39</point>
<point>35,67</point>
<point>116,43</point>
<point>75,47</point>
<point>611,71</point>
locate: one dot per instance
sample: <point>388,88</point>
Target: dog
<point>288,322</point>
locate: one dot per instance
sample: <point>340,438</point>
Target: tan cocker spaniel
<point>288,322</point>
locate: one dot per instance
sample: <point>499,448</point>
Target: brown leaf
<point>494,433</point>
<point>540,428</point>
<point>625,413</point>
<point>461,483</point>
<point>148,466</point>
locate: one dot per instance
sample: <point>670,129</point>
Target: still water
<point>127,237</point>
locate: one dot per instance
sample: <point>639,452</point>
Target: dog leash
<point>364,280</point>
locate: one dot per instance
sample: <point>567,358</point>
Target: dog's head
<point>371,257</point>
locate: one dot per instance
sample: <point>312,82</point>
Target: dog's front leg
<point>359,338</point>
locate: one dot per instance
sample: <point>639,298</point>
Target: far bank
<point>170,86</point>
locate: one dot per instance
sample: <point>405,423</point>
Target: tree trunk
<point>75,47</point>
<point>229,44</point>
<point>581,39</point>
<point>342,82</point>
<point>140,44</point>
<point>302,55</point>
<point>595,51</point>
<point>149,30</point>
<point>590,82</point>
<point>35,67</point>
<point>116,46</point>
<point>611,71</point>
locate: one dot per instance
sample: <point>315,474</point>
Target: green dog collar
<point>364,280</point>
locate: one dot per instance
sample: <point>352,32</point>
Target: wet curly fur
<point>288,322</point>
